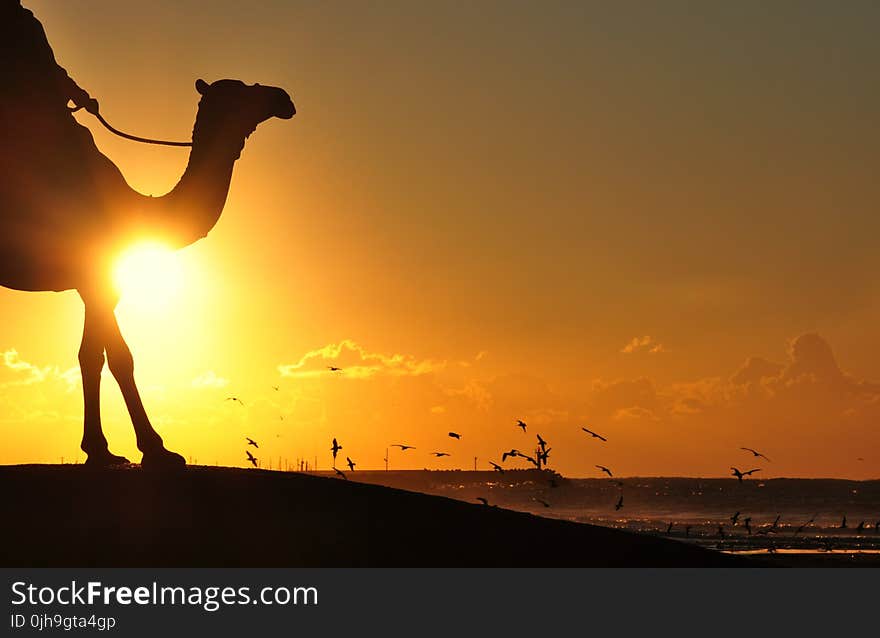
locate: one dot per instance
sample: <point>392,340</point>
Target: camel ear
<point>201,86</point>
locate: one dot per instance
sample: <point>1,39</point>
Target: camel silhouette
<point>66,212</point>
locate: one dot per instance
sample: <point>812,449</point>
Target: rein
<point>134,138</point>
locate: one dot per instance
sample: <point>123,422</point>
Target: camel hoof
<point>105,459</point>
<point>162,460</point>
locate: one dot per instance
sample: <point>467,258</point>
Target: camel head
<point>238,107</point>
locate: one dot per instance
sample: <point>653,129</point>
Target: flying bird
<point>251,458</point>
<point>541,441</point>
<point>334,369</point>
<point>402,447</point>
<point>860,528</point>
<point>843,522</point>
<point>804,526</point>
<point>755,453</point>
<point>775,525</point>
<point>738,474</point>
<point>748,524</point>
<point>511,453</point>
<point>235,399</point>
<point>687,530</point>
<point>605,469</point>
<point>439,454</point>
<point>335,449</point>
<point>542,502</point>
<point>619,503</point>
<point>340,473</point>
<point>521,424</point>
<point>250,441</point>
<point>496,467</point>
<point>455,435</point>
<point>721,530</point>
<point>669,527</point>
<point>529,459</point>
<point>734,518</point>
<point>276,388</point>
<point>483,500</point>
<point>594,435</point>
<point>350,463</point>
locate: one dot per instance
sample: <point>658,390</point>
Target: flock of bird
<point>541,458</point>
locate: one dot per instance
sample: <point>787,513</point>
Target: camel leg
<point>121,364</point>
<point>91,362</point>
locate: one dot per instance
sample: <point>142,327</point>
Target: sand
<point>67,515</point>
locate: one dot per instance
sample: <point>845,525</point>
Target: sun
<point>149,276</point>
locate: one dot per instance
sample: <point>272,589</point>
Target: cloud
<point>755,370</point>
<point>643,344</point>
<point>634,413</point>
<point>25,373</point>
<point>357,363</point>
<point>209,380</point>
<point>632,396</point>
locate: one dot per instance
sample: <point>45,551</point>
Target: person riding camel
<point>30,77</point>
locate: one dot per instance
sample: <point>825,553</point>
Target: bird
<point>483,500</point>
<point>543,502</point>
<point>403,447</point>
<point>843,522</point>
<point>605,469</point>
<point>687,530</point>
<point>543,455</point>
<point>669,527</point>
<point>496,467</point>
<point>334,369</point>
<point>738,474</point>
<point>594,435</point>
<point>59,217</point>
<point>775,525</point>
<point>335,449</point>
<point>529,459</point>
<point>541,442</point>
<point>619,503</point>
<point>439,454</point>
<point>747,522</point>
<point>250,441</point>
<point>236,399</point>
<point>350,463</point>
<point>340,473</point>
<point>734,518</point>
<point>455,435</point>
<point>877,527</point>
<point>521,424</point>
<point>804,526</point>
<point>721,530</point>
<point>755,453</point>
<point>276,388</point>
<point>511,453</point>
<point>251,458</point>
<point>861,527</point>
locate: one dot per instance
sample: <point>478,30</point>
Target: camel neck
<point>194,206</point>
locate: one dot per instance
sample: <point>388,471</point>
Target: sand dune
<point>215,517</point>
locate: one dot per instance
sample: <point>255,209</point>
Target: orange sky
<point>616,215</point>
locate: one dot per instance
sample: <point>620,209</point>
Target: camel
<point>66,212</point>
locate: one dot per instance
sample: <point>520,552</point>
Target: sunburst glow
<point>149,276</point>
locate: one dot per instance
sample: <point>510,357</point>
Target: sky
<point>654,220</point>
